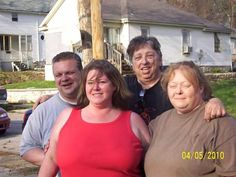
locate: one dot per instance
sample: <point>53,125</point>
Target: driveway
<point>11,165</point>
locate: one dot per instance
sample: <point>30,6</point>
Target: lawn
<point>225,90</point>
<point>31,84</point>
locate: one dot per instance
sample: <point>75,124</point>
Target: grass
<point>31,84</point>
<point>226,91</point>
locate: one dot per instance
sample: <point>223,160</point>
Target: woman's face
<point>182,94</point>
<point>99,89</point>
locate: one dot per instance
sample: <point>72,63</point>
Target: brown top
<point>186,145</point>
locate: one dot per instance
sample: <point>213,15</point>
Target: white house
<point>183,36</point>
<point>21,43</point>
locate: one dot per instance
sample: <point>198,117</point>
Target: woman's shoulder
<point>63,116</point>
<point>225,125</point>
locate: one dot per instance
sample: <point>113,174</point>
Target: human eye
<point>103,81</point>
<point>172,85</point>
<point>58,75</point>
<point>90,82</point>
<point>70,73</point>
<point>137,58</point>
<point>186,85</point>
<point>150,56</point>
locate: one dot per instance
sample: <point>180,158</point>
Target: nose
<point>179,89</point>
<point>64,77</point>
<point>144,60</point>
<point>96,86</point>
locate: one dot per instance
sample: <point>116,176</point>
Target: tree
<point>84,12</point>
<point>91,29</point>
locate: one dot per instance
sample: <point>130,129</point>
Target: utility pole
<point>84,13</point>
<point>97,29</point>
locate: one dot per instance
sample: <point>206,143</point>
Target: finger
<point>37,102</point>
<point>207,114</point>
<point>220,112</point>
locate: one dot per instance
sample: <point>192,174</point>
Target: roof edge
<point>23,12</point>
<point>202,27</point>
<point>51,13</point>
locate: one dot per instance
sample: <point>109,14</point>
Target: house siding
<point>27,24</point>
<point>63,32</point>
<point>169,35</point>
<point>171,45</point>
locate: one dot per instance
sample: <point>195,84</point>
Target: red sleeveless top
<point>99,149</point>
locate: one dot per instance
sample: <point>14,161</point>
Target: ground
<point>11,164</point>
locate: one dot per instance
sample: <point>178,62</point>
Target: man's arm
<point>31,146</point>
<point>214,109</point>
<point>34,156</point>
<point>40,100</point>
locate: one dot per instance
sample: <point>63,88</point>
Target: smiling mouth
<point>66,85</point>
<point>94,94</point>
<point>145,68</point>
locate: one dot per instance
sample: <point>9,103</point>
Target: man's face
<point>146,63</point>
<point>67,77</point>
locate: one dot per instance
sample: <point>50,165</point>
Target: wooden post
<point>97,29</point>
<point>85,29</point>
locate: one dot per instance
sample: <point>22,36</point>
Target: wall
<point>171,45</point>
<point>63,31</point>
<point>27,25</point>
<point>27,95</point>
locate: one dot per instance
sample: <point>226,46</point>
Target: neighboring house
<point>21,43</point>
<point>183,36</point>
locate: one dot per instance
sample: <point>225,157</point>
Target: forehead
<point>65,65</point>
<point>178,75</point>
<point>96,74</point>
<point>144,48</point>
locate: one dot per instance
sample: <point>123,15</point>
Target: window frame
<point>14,17</point>
<point>216,43</point>
<point>147,33</point>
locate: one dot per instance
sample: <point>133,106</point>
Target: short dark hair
<point>121,95</point>
<point>68,56</point>
<point>139,41</point>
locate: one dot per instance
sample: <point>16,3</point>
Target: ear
<point>201,89</point>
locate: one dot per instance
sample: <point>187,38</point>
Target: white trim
<point>43,25</point>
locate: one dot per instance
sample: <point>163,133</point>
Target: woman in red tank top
<point>101,137</point>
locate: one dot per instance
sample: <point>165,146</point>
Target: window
<point>145,31</point>
<point>186,37</point>
<point>23,43</point>
<point>1,42</point>
<point>186,46</point>
<point>216,42</point>
<point>26,43</point>
<point>15,42</point>
<point>112,35</point>
<point>14,17</point>
<point>233,46</point>
<point>29,43</point>
<point>5,42</point>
